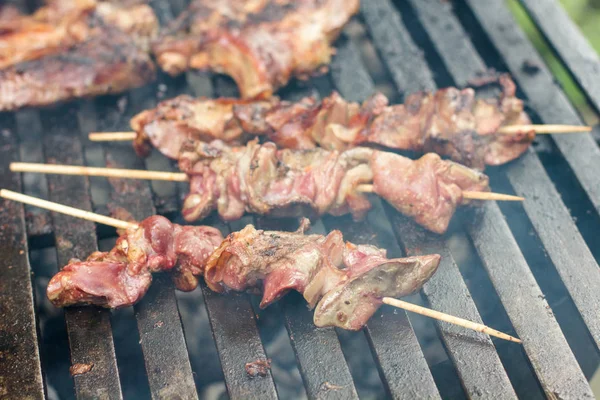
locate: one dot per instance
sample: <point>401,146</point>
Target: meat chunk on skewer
<point>122,276</point>
<point>264,180</point>
<point>344,282</point>
<point>449,122</point>
<point>74,49</point>
<point>260,44</point>
<point>428,189</point>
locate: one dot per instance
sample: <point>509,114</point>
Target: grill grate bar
<point>89,328</point>
<point>390,333</point>
<point>400,361</point>
<point>311,344</point>
<point>30,132</point>
<point>562,240</point>
<point>478,363</point>
<point>551,104</point>
<point>232,316</point>
<point>569,43</point>
<point>329,377</point>
<point>161,332</point>
<point>20,366</point>
<point>550,355</point>
<point>529,312</point>
<point>393,39</point>
<point>234,328</point>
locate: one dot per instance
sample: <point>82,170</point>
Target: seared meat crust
<point>449,122</point>
<point>261,44</point>
<point>344,281</point>
<point>264,180</point>
<point>74,49</point>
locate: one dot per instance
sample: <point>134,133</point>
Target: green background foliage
<point>586,14</point>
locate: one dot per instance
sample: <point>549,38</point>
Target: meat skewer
<point>345,283</point>
<point>450,122</point>
<point>260,44</point>
<point>125,173</point>
<point>261,179</point>
<point>71,49</point>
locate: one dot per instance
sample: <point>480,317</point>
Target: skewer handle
<point>367,188</point>
<point>449,318</point>
<point>60,208</point>
<point>94,171</point>
<point>490,196</point>
<point>544,129</point>
<point>112,136</point>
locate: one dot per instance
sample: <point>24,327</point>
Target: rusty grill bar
<point>459,43</point>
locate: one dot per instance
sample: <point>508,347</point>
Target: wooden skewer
<point>509,129</point>
<point>112,136</point>
<point>95,171</point>
<point>367,188</point>
<point>467,194</point>
<point>181,177</point>
<point>449,318</point>
<point>60,208</point>
<point>120,224</point>
<point>544,129</point>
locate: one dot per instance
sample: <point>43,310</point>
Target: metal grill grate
<point>459,43</point>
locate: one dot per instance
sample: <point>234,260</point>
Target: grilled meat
<point>122,276</point>
<point>450,122</point>
<point>344,282</point>
<point>74,49</point>
<point>261,44</point>
<point>264,180</point>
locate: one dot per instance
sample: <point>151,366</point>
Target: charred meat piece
<point>264,180</point>
<point>176,121</point>
<point>344,282</point>
<point>260,44</point>
<point>258,368</point>
<point>122,276</point>
<point>428,189</point>
<point>449,122</point>
<point>64,52</point>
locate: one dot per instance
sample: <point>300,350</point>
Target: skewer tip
<point>491,196</point>
<point>440,316</point>
<point>544,129</point>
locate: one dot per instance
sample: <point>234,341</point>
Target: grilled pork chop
<point>261,44</point>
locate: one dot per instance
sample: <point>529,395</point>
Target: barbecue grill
<point>527,269</point>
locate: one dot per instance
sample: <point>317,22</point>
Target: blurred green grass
<point>586,14</point>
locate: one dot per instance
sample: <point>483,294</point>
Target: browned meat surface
<point>452,123</point>
<point>344,282</point>
<point>264,180</point>
<point>261,44</point>
<point>449,122</point>
<point>428,189</point>
<point>80,369</point>
<point>175,121</point>
<point>122,276</point>
<point>258,368</point>
<point>74,49</point>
